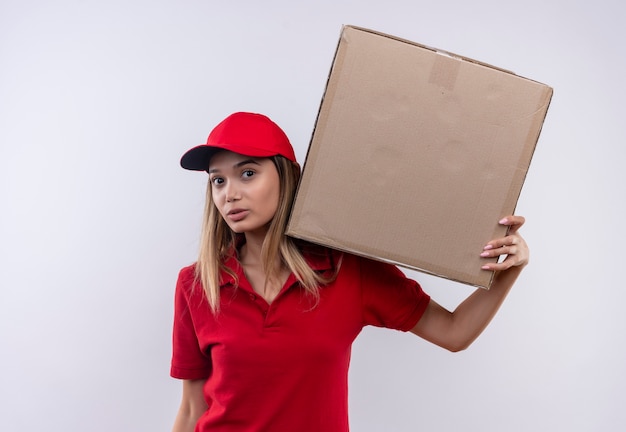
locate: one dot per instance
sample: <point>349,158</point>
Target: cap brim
<point>197,158</point>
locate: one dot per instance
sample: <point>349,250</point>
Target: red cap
<point>245,133</point>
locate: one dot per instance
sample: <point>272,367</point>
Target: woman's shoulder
<point>187,274</point>
<point>318,253</point>
<point>326,258</point>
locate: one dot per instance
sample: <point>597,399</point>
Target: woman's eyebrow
<point>246,162</point>
<point>237,165</point>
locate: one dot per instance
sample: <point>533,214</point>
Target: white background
<point>98,100</point>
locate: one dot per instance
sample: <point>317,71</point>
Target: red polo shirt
<point>284,366</point>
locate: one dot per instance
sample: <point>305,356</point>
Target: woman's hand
<point>513,246</point>
<point>456,330</point>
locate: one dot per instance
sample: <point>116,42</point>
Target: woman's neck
<point>266,283</point>
<point>250,253</point>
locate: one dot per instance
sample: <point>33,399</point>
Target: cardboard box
<point>416,154</point>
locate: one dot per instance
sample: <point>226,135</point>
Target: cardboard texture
<point>416,154</point>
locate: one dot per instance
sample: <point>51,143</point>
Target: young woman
<point>264,323</point>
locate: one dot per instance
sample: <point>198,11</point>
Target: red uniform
<point>284,366</point>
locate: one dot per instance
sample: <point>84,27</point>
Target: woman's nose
<point>232,192</point>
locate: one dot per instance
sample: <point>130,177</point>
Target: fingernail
<point>503,221</point>
<point>488,247</point>
<point>484,254</point>
<point>485,267</point>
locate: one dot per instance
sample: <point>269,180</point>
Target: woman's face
<point>245,190</point>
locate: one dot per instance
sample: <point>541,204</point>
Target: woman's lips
<point>237,214</point>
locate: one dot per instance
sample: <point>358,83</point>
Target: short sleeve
<point>188,359</point>
<point>389,298</point>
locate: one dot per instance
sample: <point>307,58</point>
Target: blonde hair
<point>218,243</point>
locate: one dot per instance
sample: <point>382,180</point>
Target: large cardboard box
<point>416,154</point>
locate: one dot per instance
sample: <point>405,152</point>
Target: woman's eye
<point>216,181</point>
<point>248,173</point>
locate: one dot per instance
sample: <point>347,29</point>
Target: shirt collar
<point>321,259</point>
